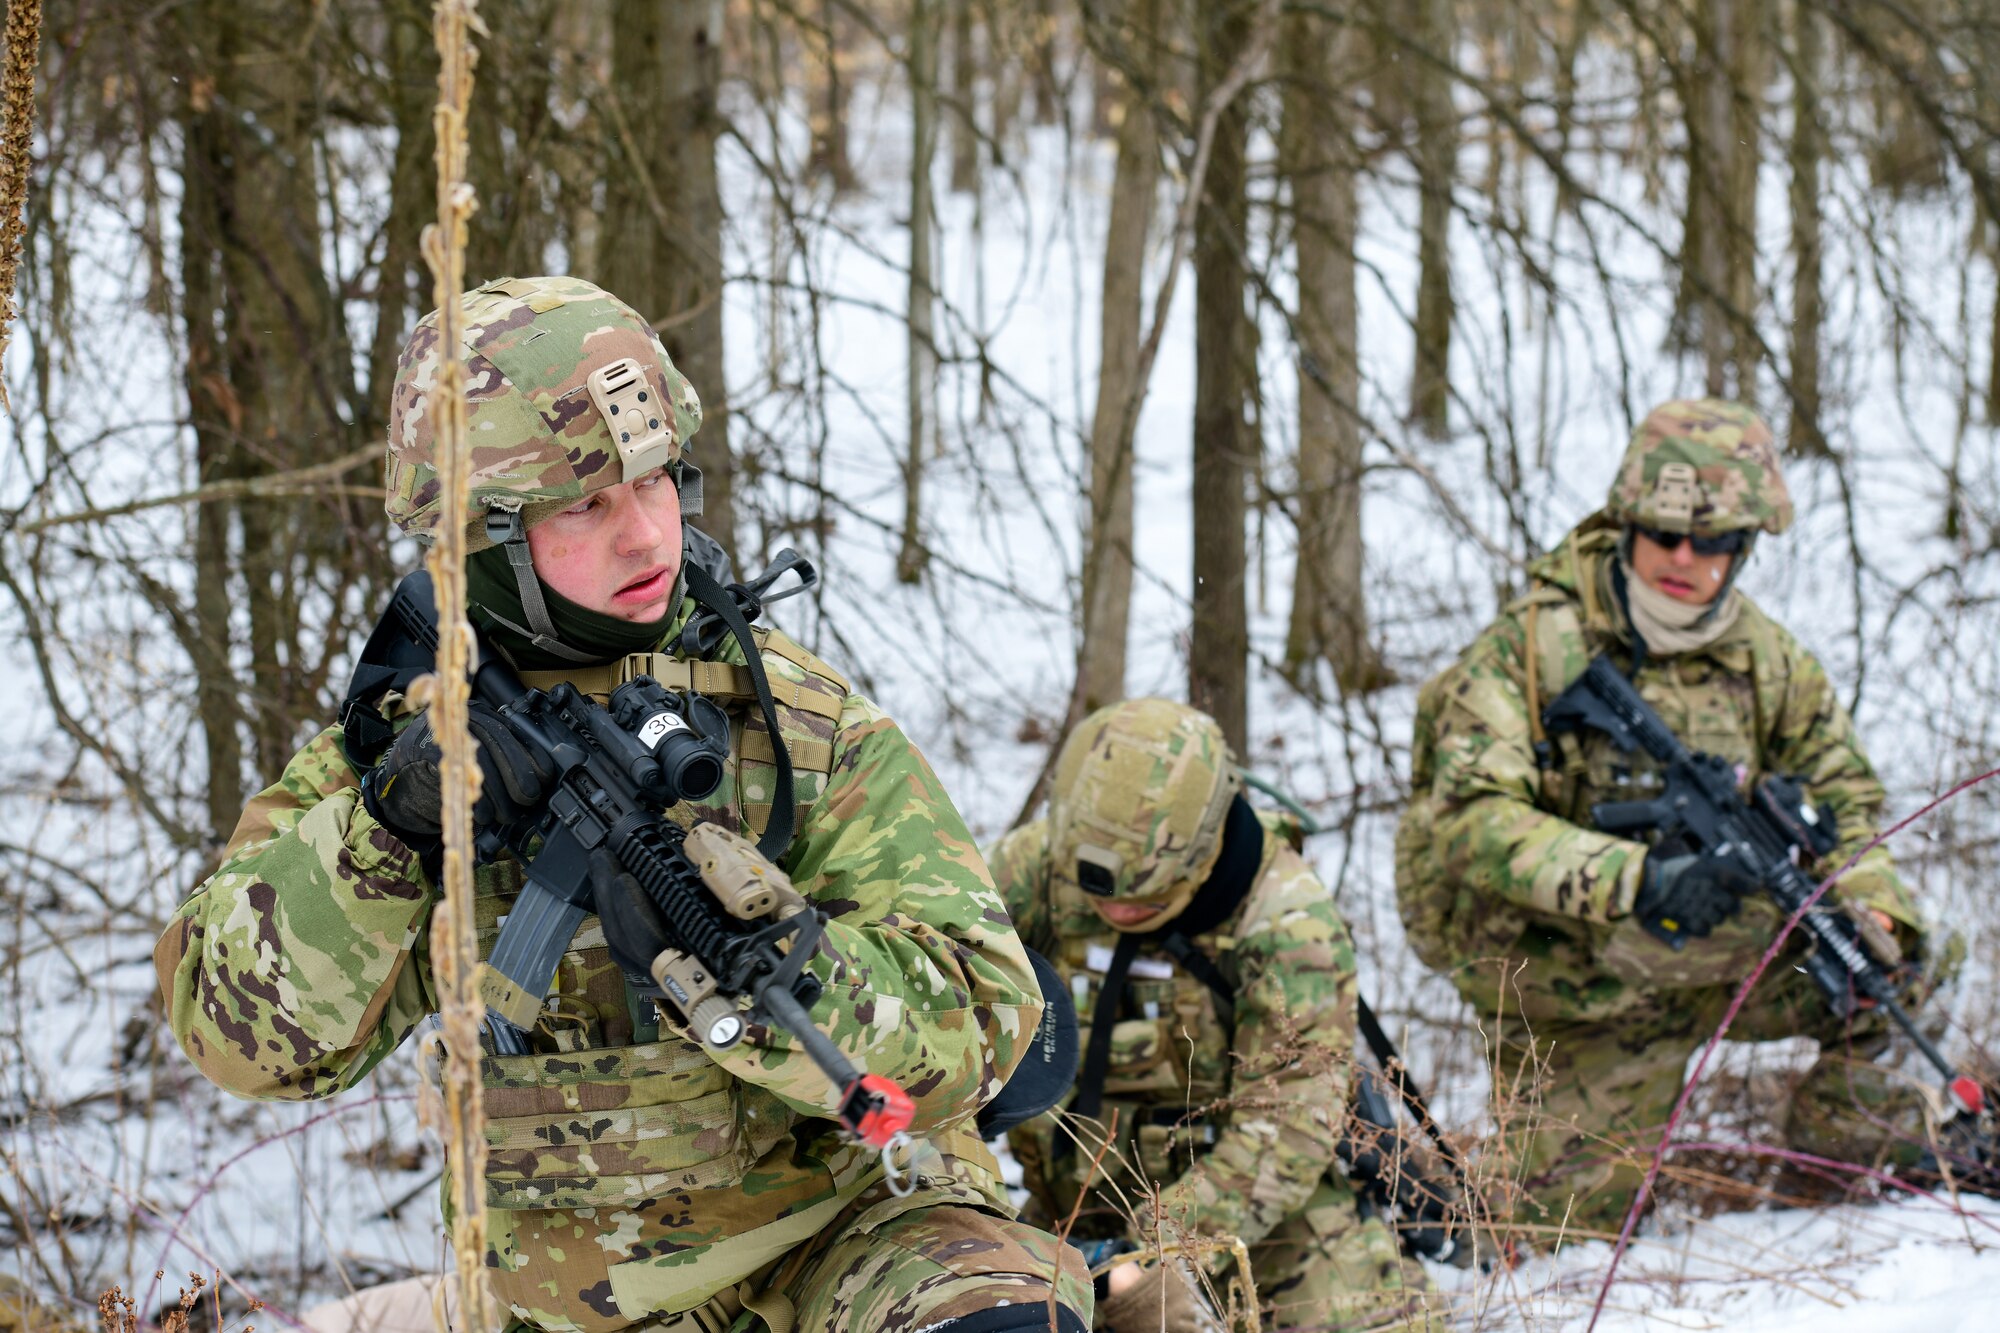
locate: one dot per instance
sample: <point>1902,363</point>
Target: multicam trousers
<point>886,1267</point>
<point>1607,1088</point>
<point>1330,1270</point>
<point>892,1265</point>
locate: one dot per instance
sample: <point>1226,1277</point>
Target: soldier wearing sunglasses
<point>1506,886</point>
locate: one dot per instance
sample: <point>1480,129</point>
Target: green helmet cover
<point>551,364</point>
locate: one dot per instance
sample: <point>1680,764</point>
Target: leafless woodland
<point>1432,260</point>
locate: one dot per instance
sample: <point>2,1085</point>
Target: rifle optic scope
<point>683,740</point>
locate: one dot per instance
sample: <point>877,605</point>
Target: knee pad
<point>1023,1317</point>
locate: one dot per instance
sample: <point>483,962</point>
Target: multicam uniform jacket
<point>633,1172</point>
<point>1496,858</point>
<point>1237,1131</point>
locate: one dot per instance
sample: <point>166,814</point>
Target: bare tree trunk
<point>211,408</point>
<point>507,130</point>
<point>1219,647</point>
<point>690,317</point>
<point>581,37</point>
<point>1042,40</point>
<point>1436,154</point>
<point>828,155</point>
<point>1710,171</point>
<point>1005,58</point>
<point>1488,29</point>
<point>668,262</point>
<point>1573,27</point>
<point>400,289</point>
<point>910,561</point>
<point>1318,157</point>
<point>1905,153</point>
<point>1107,562</point>
<point>1257,483</point>
<point>1573,22</point>
<point>1746,63</point>
<point>284,364</point>
<point>964,94</point>
<point>1993,362</point>
<point>1808,304</point>
<point>1104,95</point>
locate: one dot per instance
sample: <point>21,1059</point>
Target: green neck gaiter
<point>495,596</point>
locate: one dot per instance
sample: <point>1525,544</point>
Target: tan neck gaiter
<point>1669,625</point>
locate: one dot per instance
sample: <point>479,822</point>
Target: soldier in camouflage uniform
<point>1505,886</point>
<point>638,1179</point>
<point>1231,1105</point>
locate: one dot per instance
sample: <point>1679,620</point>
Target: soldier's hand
<point>1146,1298</point>
<point>633,928</point>
<point>1689,896</point>
<point>404,790</point>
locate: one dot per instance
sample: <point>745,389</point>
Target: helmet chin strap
<point>505,529</point>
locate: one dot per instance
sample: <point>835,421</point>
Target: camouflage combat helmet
<point>1137,805</point>
<point>568,392</point>
<point>1703,466</point>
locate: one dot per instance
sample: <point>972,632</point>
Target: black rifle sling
<point>1398,1075</point>
<point>1378,1040</point>
<point>1203,969</point>
<point>712,596</point>
<point>391,659</point>
<point>1097,1055</point>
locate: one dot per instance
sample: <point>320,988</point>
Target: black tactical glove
<point>633,927</point>
<point>1689,896</point>
<point>403,793</point>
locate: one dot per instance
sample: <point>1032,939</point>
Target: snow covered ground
<point>976,663</point>
<point>1912,1267</point>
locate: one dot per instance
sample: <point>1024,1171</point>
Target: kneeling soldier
<point>1215,983</point>
<point>638,1177</point>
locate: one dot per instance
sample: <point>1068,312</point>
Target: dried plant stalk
<point>454,943</point>
<point>17,91</point>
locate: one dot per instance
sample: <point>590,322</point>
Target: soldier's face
<point>618,551</point>
<point>1679,572</point>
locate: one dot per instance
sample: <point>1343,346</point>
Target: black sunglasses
<point>1725,543</point>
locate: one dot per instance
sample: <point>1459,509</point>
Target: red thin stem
<point>1851,1168</point>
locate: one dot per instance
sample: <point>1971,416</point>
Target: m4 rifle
<point>1764,837</point>
<point>734,934</point>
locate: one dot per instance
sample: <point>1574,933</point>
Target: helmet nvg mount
<point>1137,805</point>
<point>1702,466</point>
<point>568,392</point>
